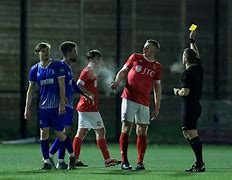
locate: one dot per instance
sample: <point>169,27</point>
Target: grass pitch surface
<point>161,162</point>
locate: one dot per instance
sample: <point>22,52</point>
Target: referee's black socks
<point>197,149</point>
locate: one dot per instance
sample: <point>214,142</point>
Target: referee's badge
<point>138,68</point>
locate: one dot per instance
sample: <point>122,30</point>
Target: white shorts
<point>90,120</point>
<point>132,111</point>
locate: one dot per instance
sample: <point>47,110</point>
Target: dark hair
<point>154,42</point>
<point>67,46</point>
<point>190,55</point>
<point>93,53</point>
<point>40,46</point>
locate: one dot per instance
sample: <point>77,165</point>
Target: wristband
<point>191,40</point>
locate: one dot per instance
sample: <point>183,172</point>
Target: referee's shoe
<point>196,168</point>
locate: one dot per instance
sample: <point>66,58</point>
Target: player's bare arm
<point>181,92</point>
<point>88,95</point>
<point>61,81</point>
<point>157,90</point>
<point>122,74</point>
<point>27,112</point>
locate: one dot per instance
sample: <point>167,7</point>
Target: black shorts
<point>190,112</point>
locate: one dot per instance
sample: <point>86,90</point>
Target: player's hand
<point>175,90</point>
<point>113,86</point>
<point>62,109</point>
<point>90,98</point>
<point>27,114</point>
<point>154,115</point>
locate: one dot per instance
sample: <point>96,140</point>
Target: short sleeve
<point>60,69</point>
<point>85,75</point>
<point>186,80</point>
<point>33,73</point>
<point>130,60</point>
<point>158,72</point>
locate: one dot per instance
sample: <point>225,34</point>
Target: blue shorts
<point>68,118</point>
<point>51,118</point>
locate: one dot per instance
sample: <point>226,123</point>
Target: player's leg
<point>77,142</point>
<point>141,144</point>
<point>101,142</point>
<point>44,134</point>
<point>142,119</point>
<point>67,130</point>
<point>61,152</point>
<point>128,110</point>
<point>59,122</point>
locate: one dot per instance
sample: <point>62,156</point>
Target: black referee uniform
<point>192,78</point>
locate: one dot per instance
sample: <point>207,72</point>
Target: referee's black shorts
<point>190,112</point>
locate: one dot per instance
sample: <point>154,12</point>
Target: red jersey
<point>140,78</point>
<point>89,80</point>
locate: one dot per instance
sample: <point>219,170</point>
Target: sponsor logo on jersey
<point>46,81</point>
<point>148,72</point>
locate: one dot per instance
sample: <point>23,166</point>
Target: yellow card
<point>193,27</point>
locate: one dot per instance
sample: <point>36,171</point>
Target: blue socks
<point>45,148</point>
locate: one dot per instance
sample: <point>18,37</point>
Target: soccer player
<point>88,114</point>
<point>69,52</point>
<point>143,73</point>
<point>190,92</point>
<point>49,76</point>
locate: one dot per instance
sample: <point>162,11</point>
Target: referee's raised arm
<point>192,40</point>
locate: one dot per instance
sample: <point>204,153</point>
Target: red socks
<point>123,141</point>
<point>103,147</point>
<point>77,146</point>
<point>141,147</point>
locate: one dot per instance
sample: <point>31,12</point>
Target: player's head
<point>69,50</point>
<point>151,47</point>
<point>189,56</point>
<point>94,57</point>
<point>43,50</point>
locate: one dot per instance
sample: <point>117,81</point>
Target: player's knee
<point>44,133</point>
<point>126,127</point>
<point>141,131</point>
<point>67,130</point>
<point>81,133</point>
<point>60,135</point>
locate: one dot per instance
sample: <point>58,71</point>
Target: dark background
<point>118,28</point>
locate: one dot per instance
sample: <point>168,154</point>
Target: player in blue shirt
<point>69,52</point>
<point>49,75</point>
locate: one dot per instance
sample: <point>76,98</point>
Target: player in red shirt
<point>88,114</point>
<point>143,74</point>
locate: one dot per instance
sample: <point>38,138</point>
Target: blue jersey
<point>68,84</point>
<point>47,81</point>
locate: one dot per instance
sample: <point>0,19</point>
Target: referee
<point>190,92</point>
